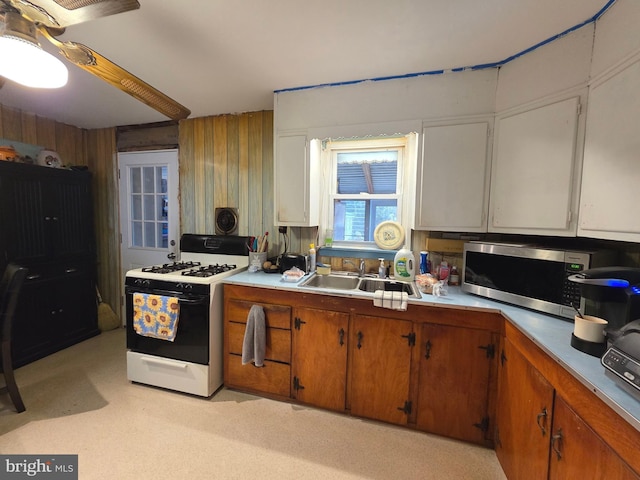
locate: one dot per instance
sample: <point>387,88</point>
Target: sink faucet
<point>361,268</point>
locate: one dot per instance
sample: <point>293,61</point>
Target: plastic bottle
<point>382,270</point>
<point>312,258</point>
<point>424,262</point>
<point>403,265</point>
<point>454,277</point>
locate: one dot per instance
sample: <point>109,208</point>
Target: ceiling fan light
<point>23,60</point>
<point>28,64</point>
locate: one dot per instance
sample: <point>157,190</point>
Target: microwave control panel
<point>571,290</point>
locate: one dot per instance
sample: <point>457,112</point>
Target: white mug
<point>590,328</point>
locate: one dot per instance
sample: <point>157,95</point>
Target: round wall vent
<point>226,221</point>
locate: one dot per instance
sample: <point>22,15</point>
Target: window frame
<point>406,164</point>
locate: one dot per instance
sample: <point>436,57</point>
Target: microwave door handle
<point>602,282</point>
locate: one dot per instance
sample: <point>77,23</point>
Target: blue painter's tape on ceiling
<point>459,69</point>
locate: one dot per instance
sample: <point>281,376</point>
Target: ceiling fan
<point>49,18</point>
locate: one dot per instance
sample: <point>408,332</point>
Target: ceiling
<point>221,56</point>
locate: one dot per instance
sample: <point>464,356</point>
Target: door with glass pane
<point>149,210</point>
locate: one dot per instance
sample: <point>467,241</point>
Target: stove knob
<point>179,285</point>
<point>188,286</point>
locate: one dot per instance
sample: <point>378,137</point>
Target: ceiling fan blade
<point>101,67</point>
<point>62,13</point>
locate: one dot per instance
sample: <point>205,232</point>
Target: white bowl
<point>590,328</point>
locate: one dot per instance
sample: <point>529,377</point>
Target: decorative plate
<point>389,235</point>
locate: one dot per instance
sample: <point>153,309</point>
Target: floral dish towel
<point>155,316</point>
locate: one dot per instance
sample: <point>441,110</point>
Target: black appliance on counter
<point>290,260</point>
<point>613,293</point>
<point>621,361</point>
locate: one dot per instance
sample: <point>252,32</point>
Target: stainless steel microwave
<point>527,275</point>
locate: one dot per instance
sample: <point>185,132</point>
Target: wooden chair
<point>10,287</point>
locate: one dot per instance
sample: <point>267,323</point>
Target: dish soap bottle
<point>382,270</point>
<point>312,258</point>
<point>403,265</point>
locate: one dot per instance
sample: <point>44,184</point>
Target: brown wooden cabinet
<point>381,366</point>
<point>456,366</point>
<point>274,377</point>
<point>524,410</point>
<point>319,359</point>
<point>539,435</point>
<point>578,452</point>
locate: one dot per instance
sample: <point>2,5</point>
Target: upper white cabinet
<point>611,168</point>
<point>453,178</point>
<point>535,170</point>
<point>296,182</point>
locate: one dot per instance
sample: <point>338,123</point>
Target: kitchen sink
<point>338,282</point>
<point>366,285</point>
<point>373,284</point>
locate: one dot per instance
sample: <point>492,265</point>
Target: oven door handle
<point>186,300</point>
<point>197,301</point>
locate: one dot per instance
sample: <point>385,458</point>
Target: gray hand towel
<point>255,337</point>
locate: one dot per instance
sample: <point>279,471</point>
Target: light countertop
<point>551,334</point>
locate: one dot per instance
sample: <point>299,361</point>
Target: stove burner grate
<point>171,267</point>
<point>208,270</point>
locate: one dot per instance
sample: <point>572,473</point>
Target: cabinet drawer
<point>277,316</point>
<point>273,378</point>
<point>278,342</point>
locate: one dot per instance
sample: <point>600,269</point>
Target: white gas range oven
<point>193,361</point>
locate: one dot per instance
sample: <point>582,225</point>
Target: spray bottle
<point>312,258</point>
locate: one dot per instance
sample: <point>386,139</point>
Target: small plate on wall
<point>389,235</point>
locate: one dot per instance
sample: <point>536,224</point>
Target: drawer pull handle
<point>165,363</point>
<point>341,336</point>
<point>359,335</point>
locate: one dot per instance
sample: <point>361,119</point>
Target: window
<point>365,187</point>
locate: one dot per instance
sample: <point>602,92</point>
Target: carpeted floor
<point>79,401</point>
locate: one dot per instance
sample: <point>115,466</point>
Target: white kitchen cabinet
<point>535,171</point>
<point>453,184</point>
<point>611,170</point>
<point>297,182</point>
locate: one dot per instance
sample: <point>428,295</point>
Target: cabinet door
<point>453,390</point>
<point>454,180</point>
<point>32,330</point>
<point>319,361</point>
<point>524,411</point>
<point>532,187</point>
<point>611,168</point>
<point>75,302</point>
<point>296,182</point>
<point>24,205</point>
<point>577,452</point>
<point>381,356</point>
<point>70,214</point>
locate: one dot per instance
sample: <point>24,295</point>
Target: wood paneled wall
<point>227,161</point>
<point>24,127</point>
<point>101,159</point>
